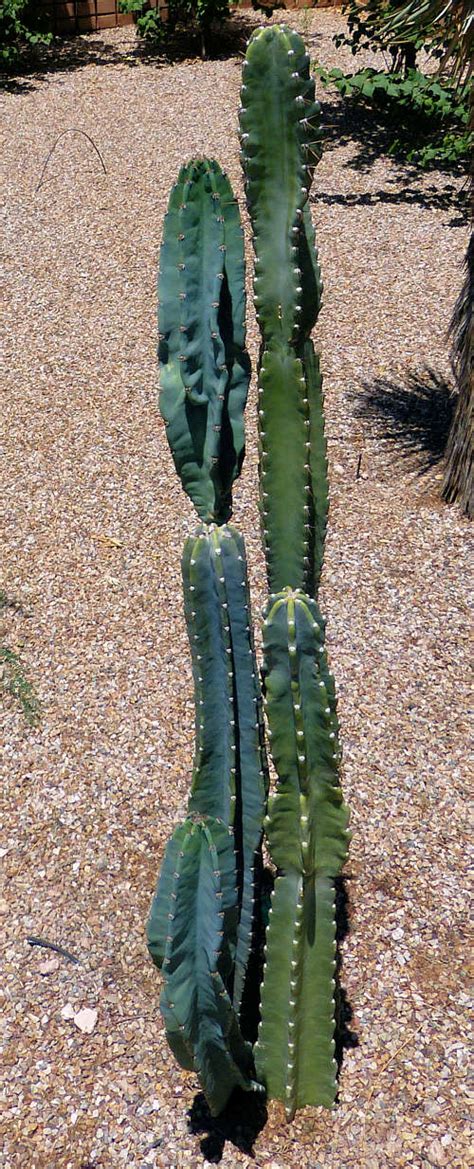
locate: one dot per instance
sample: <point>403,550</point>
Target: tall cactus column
<point>204,913</point>
<point>306,824</point>
<point>280,145</point>
<point>202,918</point>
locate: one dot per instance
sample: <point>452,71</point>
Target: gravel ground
<point>94,518</point>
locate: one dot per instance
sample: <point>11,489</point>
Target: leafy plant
<point>15,683</point>
<point>21,28</point>
<point>446,28</point>
<point>210,907</point>
<point>201,13</point>
<point>148,21</point>
<point>423,109</point>
<point>12,674</point>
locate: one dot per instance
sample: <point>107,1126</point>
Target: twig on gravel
<point>71,130</point>
<point>388,1060</point>
<point>32,941</point>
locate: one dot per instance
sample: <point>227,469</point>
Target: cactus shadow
<point>413,414</point>
<point>239,1124</point>
<point>345,1038</point>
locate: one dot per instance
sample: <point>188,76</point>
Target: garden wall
<point>67,17</point>
<point>75,16</point>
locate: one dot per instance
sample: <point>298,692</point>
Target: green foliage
<point>15,683</point>
<point>21,28</point>
<point>13,678</point>
<point>148,22</point>
<point>367,28</point>
<point>445,27</point>
<point>200,13</point>
<point>430,115</point>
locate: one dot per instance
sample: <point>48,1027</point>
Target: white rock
<point>86,1020</point>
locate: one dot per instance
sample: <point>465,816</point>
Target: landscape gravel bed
<point>93,520</point>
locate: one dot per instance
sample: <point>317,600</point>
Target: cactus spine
<point>204,913</point>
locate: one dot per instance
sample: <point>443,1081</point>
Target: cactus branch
<point>204,367</point>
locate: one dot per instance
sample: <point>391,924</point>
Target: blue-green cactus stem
<point>280,143</point>
<point>252,772</point>
<point>213,784</point>
<point>204,367</point>
<point>201,1025</point>
<point>294,1056</point>
<point>230,778</point>
<point>285,483</point>
<point>307,835</point>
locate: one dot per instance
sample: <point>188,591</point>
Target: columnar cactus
<point>204,916</point>
<point>306,825</point>
<point>281,143</point>
<point>306,831</point>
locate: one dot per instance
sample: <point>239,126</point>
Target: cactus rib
<point>284,468</point>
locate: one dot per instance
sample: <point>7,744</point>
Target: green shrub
<point>424,109</point>
<point>21,28</point>
<point>200,13</point>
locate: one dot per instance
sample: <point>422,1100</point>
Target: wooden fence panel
<point>66,17</point>
<point>72,16</point>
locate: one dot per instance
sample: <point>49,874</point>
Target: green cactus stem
<point>204,367</point>
<point>307,835</point>
<point>284,424</point>
<point>280,139</point>
<point>201,1025</point>
<point>280,143</point>
<point>294,490</point>
<point>230,777</point>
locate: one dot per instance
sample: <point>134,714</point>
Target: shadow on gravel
<point>345,1038</point>
<point>414,414</point>
<point>350,123</point>
<point>67,54</point>
<point>239,1123</point>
